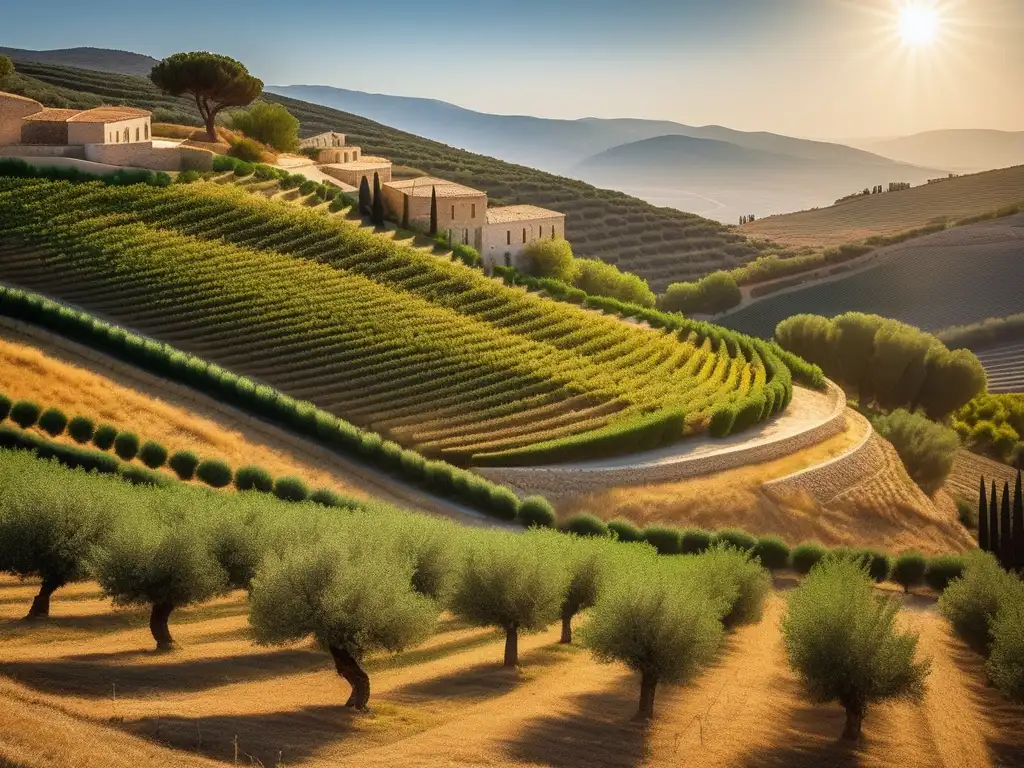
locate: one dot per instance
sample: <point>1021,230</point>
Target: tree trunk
<point>648,683</point>
<point>349,669</point>
<point>158,625</point>
<point>854,720</point>
<point>512,645</point>
<point>566,628</point>
<point>41,603</point>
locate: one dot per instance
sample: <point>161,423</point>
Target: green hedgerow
<point>694,541</point>
<point>972,601</point>
<point>214,472</point>
<point>625,531</point>
<point>772,552</point>
<point>807,555</point>
<point>328,498</point>
<point>253,478</point>
<point>536,511</point>
<point>81,429</point>
<point>53,421</point>
<point>503,503</point>
<point>104,436</point>
<point>291,489</point>
<point>942,570</point>
<point>153,455</point>
<point>583,524</point>
<point>735,538</point>
<point>184,464</point>
<point>664,539</point>
<point>909,570</point>
<point>126,445</point>
<point>5,407</point>
<point>25,413</point>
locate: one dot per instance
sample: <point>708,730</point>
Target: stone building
<point>323,141</point>
<point>510,229</point>
<point>333,149</point>
<point>461,210</point>
<point>353,173</point>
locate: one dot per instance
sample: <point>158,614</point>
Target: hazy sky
<point>818,68</point>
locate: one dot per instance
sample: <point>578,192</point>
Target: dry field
<point>969,467</point>
<point>894,212</point>
<point>85,691</point>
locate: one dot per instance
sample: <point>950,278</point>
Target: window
<point>465,237</point>
<point>137,134</point>
<point>146,131</point>
<point>453,213</point>
<point>524,234</point>
<point>127,135</point>
<point>508,237</point>
<point>472,211</point>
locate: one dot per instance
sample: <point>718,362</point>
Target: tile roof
<point>511,213</point>
<point>52,115</point>
<point>108,115</point>
<point>359,165</point>
<point>421,188</point>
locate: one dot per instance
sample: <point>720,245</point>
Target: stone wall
<point>120,132</point>
<point>55,132</point>
<point>460,218</point>
<point>559,481</point>
<point>342,155</point>
<point>13,110</point>
<point>503,243</point>
<point>42,150</point>
<point>354,176</point>
<point>144,155</point>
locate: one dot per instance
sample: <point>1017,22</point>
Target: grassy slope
<point>956,277</point>
<point>449,702</point>
<point>662,245</point>
<point>890,213</point>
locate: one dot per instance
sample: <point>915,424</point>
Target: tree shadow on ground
<point>1006,719</point>
<point>115,620</point>
<point>481,681</point>
<point>595,728</point>
<point>93,675</point>
<point>271,738</point>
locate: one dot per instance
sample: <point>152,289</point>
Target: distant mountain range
<point>100,59</point>
<point>711,170</point>
<point>958,150</point>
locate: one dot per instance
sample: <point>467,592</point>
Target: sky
<point>809,68</point>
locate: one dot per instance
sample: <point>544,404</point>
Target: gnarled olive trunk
<point>648,684</point>
<point>41,603</point>
<point>567,615</point>
<point>512,645</point>
<point>854,721</point>
<point>349,669</point>
<point>158,625</point>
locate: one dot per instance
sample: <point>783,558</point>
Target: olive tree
<point>586,561</point>
<point>164,561</point>
<point>350,604</point>
<point>6,67</point>
<point>49,522</point>
<point>841,639</point>
<point>517,583</point>
<point>213,81</point>
<point>658,622</point>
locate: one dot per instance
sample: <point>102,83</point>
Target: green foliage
<point>153,454</point>
<point>184,464</point>
<point>81,429</point>
<point>715,293</point>
<point>243,169</point>
<point>694,541</point>
<point>213,80</point>
<point>909,569</point>
<point>723,418</point>
<point>599,279</point>
<point>188,177</point>
<point>772,552</point>
<point>942,571</point>
<point>735,538</point>
<point>735,580</point>
<point>248,152</point>
<point>253,478</point>
<point>625,531</point>
<point>328,498</point>
<point>104,436</point>
<point>550,258</point>
<point>583,524</point>
<point>665,540</point>
<point>5,407</point>
<point>926,449</point>
<point>214,473</point>
<point>25,413</point>
<point>992,425</point>
<point>53,421</point>
<point>972,601</point>
<point>536,511</point>
<point>841,639</point>
<point>1006,660</point>
<point>126,445</point>
<point>6,67</point>
<point>984,334</point>
<point>291,489</point>
<point>807,555</point>
<point>270,124</point>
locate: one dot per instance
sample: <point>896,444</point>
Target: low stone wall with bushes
<point>145,155</point>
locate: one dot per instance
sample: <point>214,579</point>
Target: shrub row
<point>298,416</point>
<point>20,169</point>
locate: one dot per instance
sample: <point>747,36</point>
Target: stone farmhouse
<point>499,234</point>
<point>117,136</point>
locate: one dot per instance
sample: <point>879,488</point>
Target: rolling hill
<point>967,151</point>
<point>955,277</point>
<point>100,59</point>
<point>862,217</point>
<point>662,245</point>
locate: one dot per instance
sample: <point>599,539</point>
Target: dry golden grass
<point>84,690</point>
<point>872,503</point>
<point>894,212</point>
<point>969,468</point>
<point>51,379</point>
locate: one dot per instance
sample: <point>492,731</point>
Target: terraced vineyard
<point>1004,365</point>
<point>662,245</point>
<point>956,277</point>
<point>428,352</point>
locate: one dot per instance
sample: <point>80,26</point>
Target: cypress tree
<point>1018,525</point>
<point>433,211</point>
<point>993,521</point>
<point>364,197</point>
<point>378,202</point>
<point>1005,536</point>
<point>405,211</point>
<point>983,519</point>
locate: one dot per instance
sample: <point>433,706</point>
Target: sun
<point>919,25</point>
